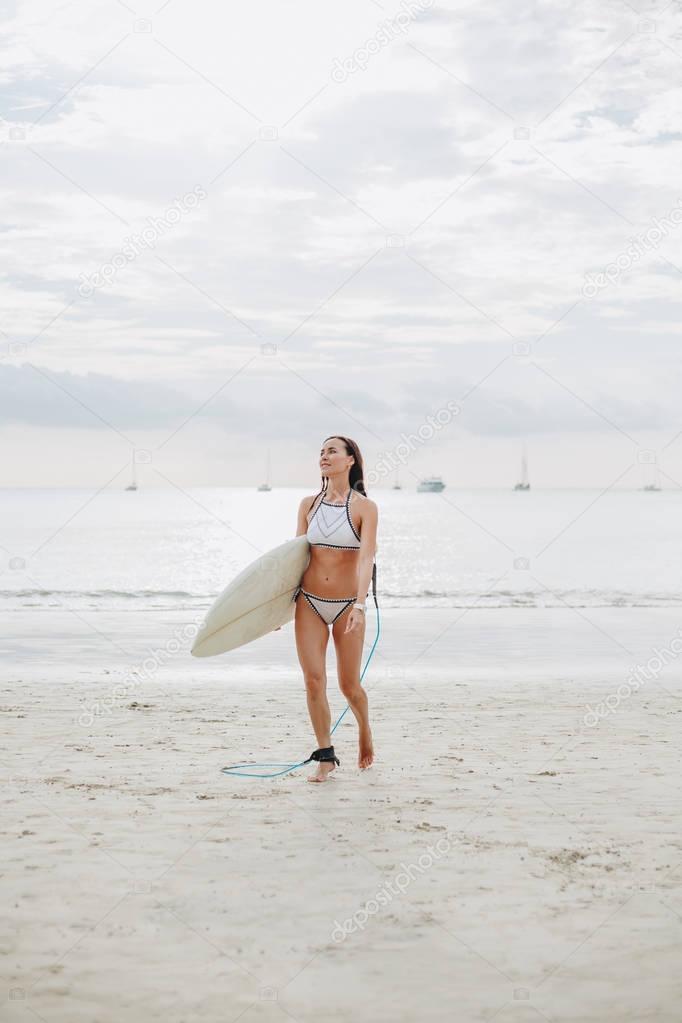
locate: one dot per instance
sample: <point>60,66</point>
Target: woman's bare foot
<point>366,750</point>
<point>323,770</point>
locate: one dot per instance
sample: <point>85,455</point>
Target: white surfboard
<point>257,601</point>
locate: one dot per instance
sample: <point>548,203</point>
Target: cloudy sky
<point>234,228</point>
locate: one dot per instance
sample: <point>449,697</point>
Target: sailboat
<point>266,485</point>
<point>396,485</point>
<point>655,483</point>
<point>524,482</point>
<point>133,483</point>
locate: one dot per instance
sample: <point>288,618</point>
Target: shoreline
<point>474,641</point>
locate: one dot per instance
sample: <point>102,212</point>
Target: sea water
<point>173,548</point>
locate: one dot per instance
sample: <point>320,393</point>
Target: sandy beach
<point>509,857</point>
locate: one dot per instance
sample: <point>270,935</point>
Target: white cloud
<point>399,227</point>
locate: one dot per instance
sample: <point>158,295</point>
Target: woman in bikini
<point>341,525</point>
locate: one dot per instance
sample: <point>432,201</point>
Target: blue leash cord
<point>236,769</point>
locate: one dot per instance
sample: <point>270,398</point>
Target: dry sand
<point>503,860</point>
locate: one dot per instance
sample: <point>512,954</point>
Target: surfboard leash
<point>237,770</point>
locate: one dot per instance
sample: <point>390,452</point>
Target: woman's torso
<point>333,570</point>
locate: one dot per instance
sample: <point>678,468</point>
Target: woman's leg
<point>349,660</point>
<point>312,637</point>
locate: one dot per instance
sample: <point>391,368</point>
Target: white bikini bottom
<point>326,609</point>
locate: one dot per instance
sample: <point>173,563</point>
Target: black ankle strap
<point>324,756</point>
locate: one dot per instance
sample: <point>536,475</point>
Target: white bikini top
<point>331,526</point>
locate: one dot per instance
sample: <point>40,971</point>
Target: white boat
<point>133,483</point>
<point>396,485</point>
<point>266,485</point>
<point>430,485</point>
<point>524,482</point>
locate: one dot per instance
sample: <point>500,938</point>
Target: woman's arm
<point>368,546</point>
<point>302,523</point>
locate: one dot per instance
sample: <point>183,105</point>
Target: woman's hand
<point>356,619</point>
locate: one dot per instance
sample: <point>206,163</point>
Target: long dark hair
<point>356,472</point>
